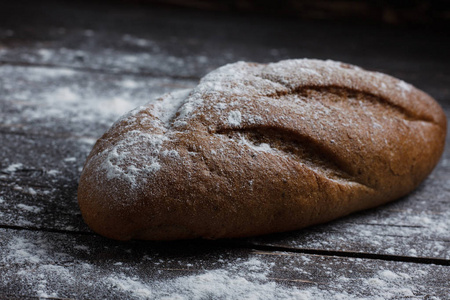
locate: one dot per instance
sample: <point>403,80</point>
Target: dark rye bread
<point>257,148</point>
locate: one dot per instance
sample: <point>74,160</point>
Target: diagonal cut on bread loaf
<point>261,148</point>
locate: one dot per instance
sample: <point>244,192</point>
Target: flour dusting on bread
<point>134,157</point>
<point>169,105</point>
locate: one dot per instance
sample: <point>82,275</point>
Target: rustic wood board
<point>39,181</point>
<point>60,102</point>
<point>175,43</point>
<point>51,118</point>
<point>61,266</point>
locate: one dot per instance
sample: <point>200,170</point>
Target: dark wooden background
<point>435,13</point>
<point>69,69</point>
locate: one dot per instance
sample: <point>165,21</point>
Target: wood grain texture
<point>58,266</point>
<point>197,42</point>
<point>392,12</point>
<point>49,133</point>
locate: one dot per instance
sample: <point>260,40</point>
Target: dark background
<point>395,12</point>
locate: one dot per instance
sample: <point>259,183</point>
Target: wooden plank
<point>56,265</point>
<point>49,120</point>
<point>143,40</point>
<point>430,13</point>
<point>39,181</point>
<point>86,71</point>
<point>61,102</point>
<point>52,116</point>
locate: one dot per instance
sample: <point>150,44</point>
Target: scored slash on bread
<point>261,148</point>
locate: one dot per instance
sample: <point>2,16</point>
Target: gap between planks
<point>281,250</point>
<point>63,136</point>
<point>22,297</point>
<point>106,71</point>
<point>274,249</point>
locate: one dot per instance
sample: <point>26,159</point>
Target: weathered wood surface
<point>175,43</point>
<point>50,265</point>
<point>63,81</point>
<point>53,116</point>
<point>434,13</point>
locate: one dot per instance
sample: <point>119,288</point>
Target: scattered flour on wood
<point>21,250</point>
<point>33,209</point>
<point>32,191</point>
<point>255,284</point>
<point>13,168</point>
<point>129,84</point>
<point>49,97</point>
<point>246,279</point>
<point>133,40</point>
<point>53,172</point>
<point>42,265</point>
<point>215,284</point>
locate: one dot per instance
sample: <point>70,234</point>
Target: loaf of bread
<point>261,148</point>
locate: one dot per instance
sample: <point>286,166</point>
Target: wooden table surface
<point>69,70</point>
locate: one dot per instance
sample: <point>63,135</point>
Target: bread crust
<point>257,149</point>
